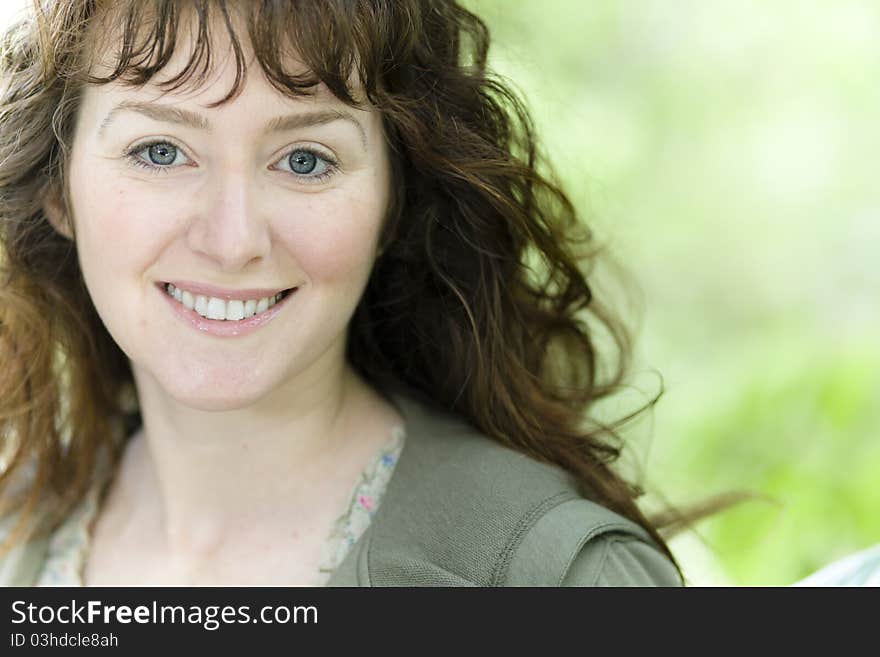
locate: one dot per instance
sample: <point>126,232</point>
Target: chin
<point>219,391</point>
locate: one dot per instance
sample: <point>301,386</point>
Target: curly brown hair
<point>480,297</point>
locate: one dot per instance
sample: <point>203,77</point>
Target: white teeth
<point>214,308</point>
<point>201,306</point>
<point>234,310</point>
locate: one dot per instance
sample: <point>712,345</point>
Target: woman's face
<point>262,194</point>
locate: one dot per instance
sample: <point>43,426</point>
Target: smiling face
<point>263,194</point>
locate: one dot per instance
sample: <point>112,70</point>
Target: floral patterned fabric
<point>69,544</point>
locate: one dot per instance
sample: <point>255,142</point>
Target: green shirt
<point>463,510</point>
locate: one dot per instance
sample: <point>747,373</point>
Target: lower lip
<point>224,328</point>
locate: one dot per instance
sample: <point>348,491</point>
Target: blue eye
<point>309,164</point>
<point>302,161</point>
<point>156,156</point>
<point>162,153</point>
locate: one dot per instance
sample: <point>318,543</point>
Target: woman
<point>286,300</point>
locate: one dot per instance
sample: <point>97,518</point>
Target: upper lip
<point>226,293</point>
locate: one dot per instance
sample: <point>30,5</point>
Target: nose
<point>228,228</point>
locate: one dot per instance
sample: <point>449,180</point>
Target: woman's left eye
<point>308,164</point>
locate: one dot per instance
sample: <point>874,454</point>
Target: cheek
<point>334,238</point>
<point>118,229</point>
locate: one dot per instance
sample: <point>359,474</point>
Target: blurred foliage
<point>726,151</point>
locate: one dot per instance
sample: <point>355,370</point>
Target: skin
<point>250,445</point>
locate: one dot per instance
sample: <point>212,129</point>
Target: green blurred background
<point>727,151</point>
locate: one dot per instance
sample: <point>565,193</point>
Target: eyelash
<point>331,164</point>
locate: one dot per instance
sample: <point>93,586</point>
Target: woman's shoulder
<point>581,543</point>
<point>21,563</point>
<point>621,560</point>
<point>463,509</point>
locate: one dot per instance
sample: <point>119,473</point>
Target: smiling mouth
<point>230,310</point>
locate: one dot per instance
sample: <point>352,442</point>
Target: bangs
<point>298,45</point>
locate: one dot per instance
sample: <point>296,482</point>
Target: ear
<point>54,209</point>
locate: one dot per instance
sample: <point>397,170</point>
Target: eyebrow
<point>169,114</point>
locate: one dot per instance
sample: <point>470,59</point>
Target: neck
<point>204,480</point>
